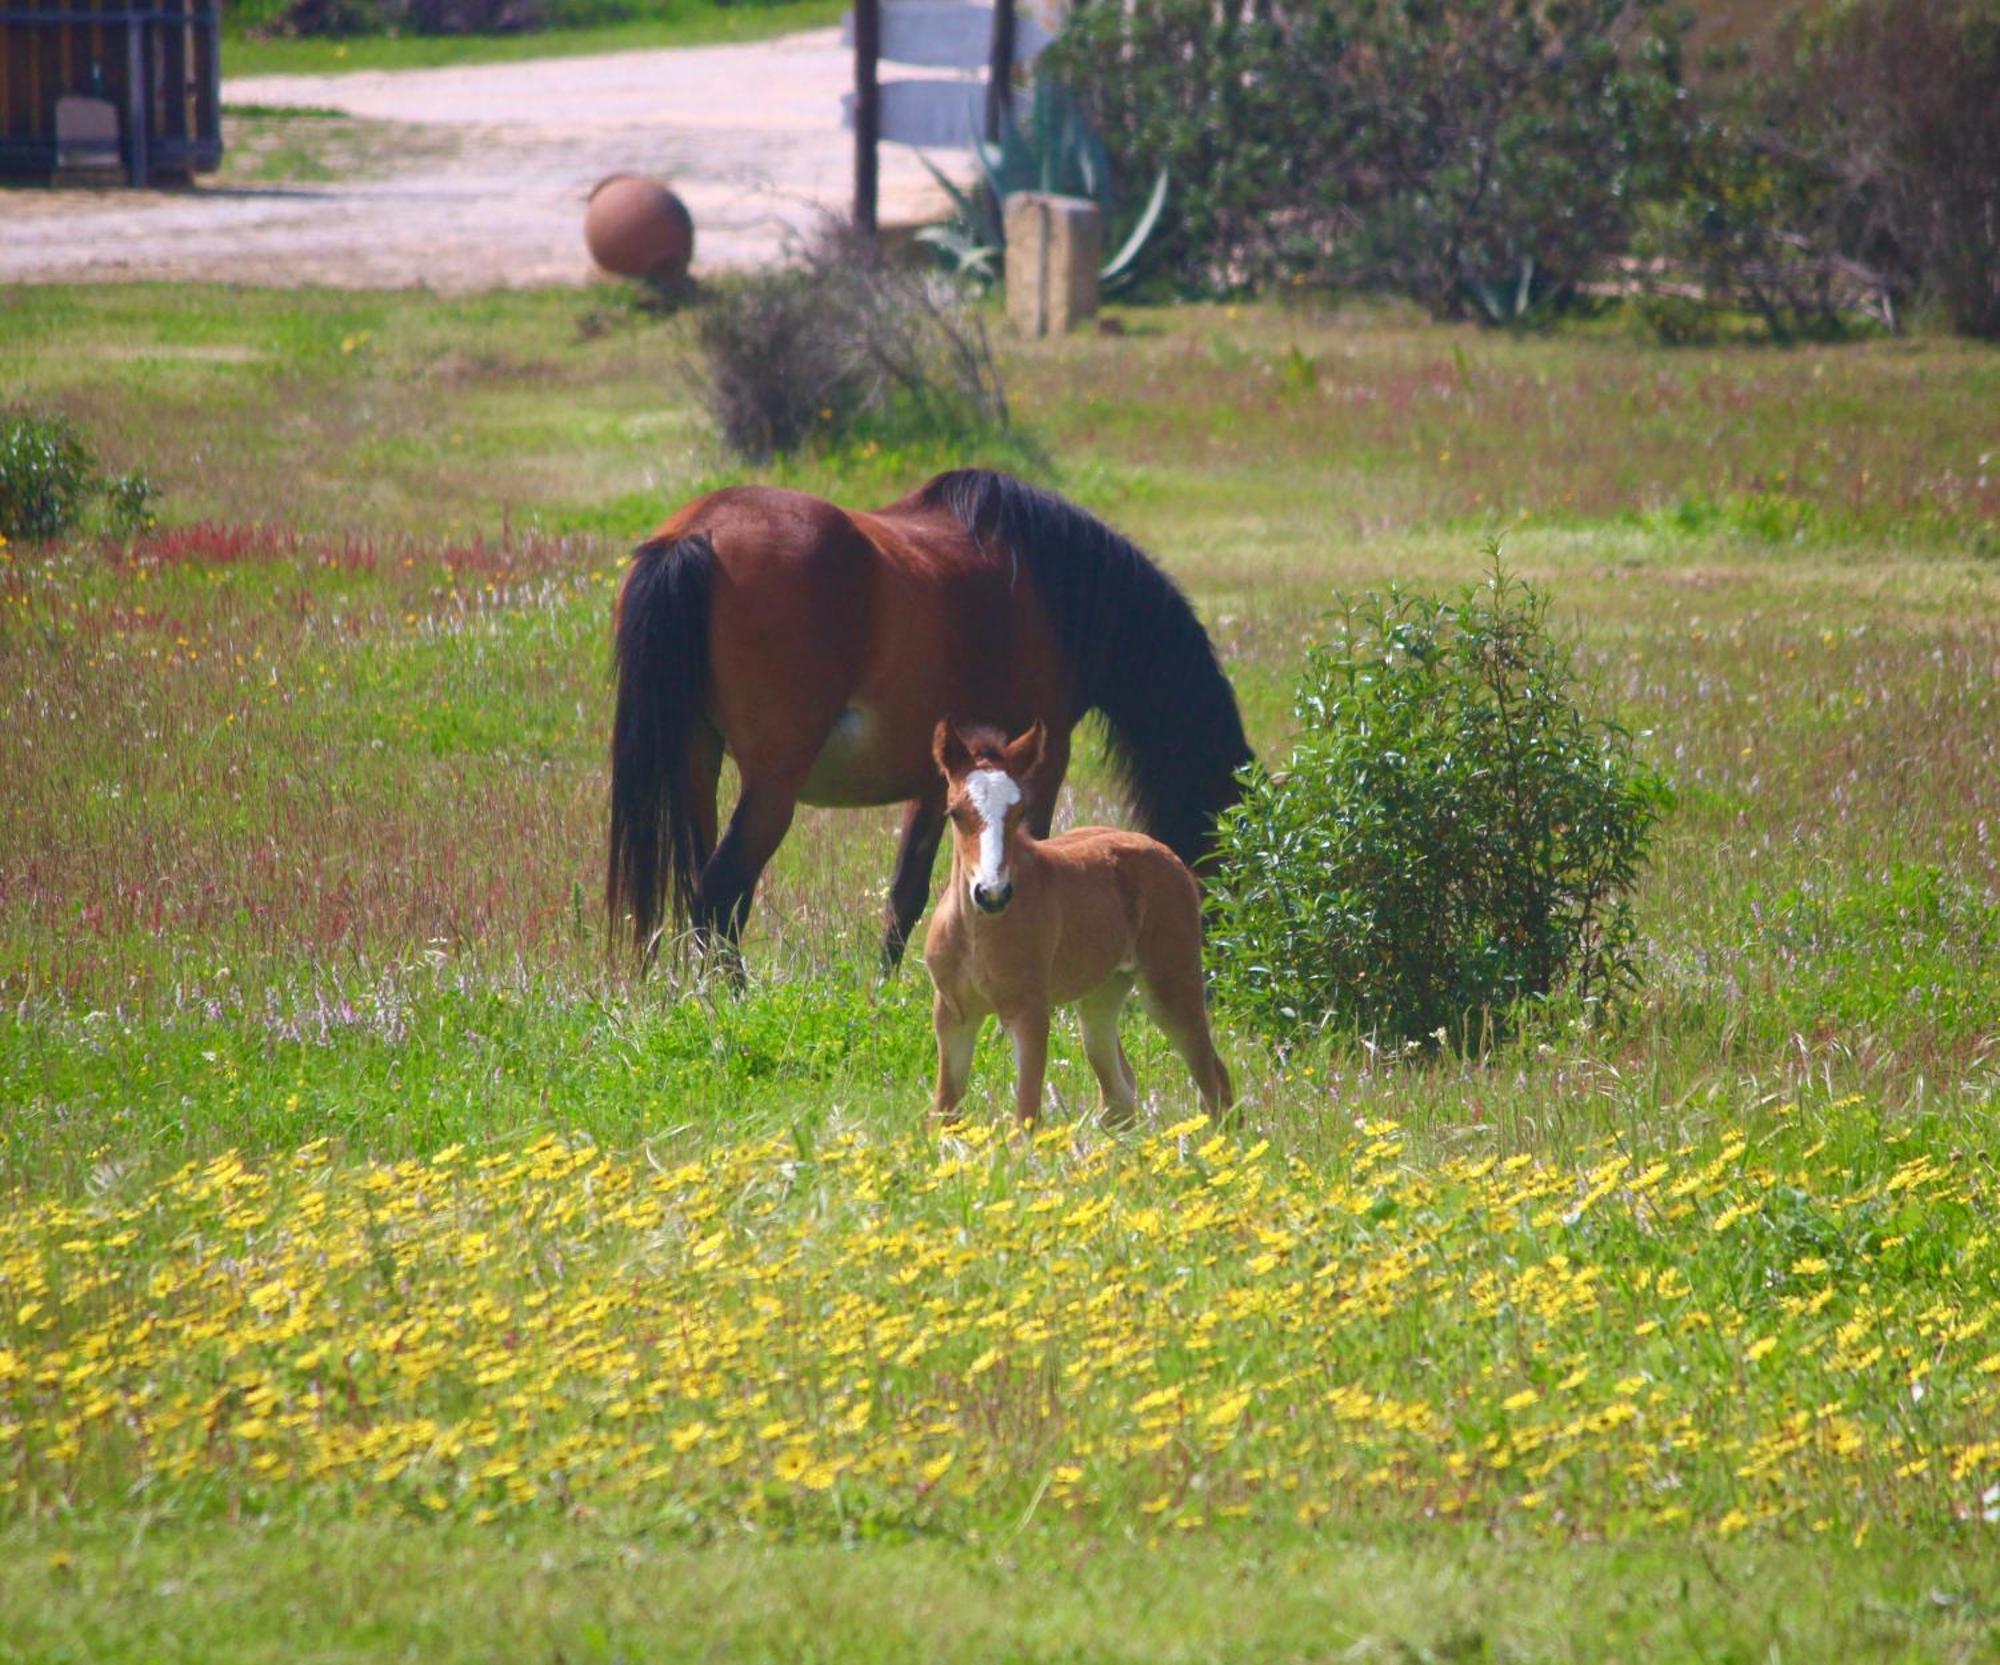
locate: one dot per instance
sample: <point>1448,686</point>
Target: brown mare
<point>818,647</point>
<point>1075,920</point>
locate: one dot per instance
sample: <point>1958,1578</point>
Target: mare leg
<point>763,813</point>
<point>1030,1032</point>
<point>1180,1008</point>
<point>910,889</point>
<point>1099,1014</point>
<point>957,1035</point>
<point>704,759</point>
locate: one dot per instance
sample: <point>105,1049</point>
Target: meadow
<point>385,1268</point>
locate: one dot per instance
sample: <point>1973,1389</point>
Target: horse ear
<point>1024,752</point>
<point>950,751</point>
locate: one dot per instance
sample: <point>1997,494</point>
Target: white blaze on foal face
<point>993,794</point>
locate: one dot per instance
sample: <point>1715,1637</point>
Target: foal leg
<point>1030,1032</point>
<point>763,813</point>
<point>910,889</point>
<point>957,1035</point>
<point>1099,1014</point>
<point>1178,1006</point>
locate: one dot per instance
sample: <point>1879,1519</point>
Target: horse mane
<point>1132,641</point>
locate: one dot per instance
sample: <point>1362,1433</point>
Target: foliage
<point>1057,151</point>
<point>47,474</point>
<point>1905,96</point>
<point>1744,229</point>
<point>131,504</point>
<point>1451,834</point>
<point>1856,181</point>
<point>838,339</point>
<point>1481,157</point>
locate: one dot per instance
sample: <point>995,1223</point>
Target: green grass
<point>302,835</point>
<point>369,1589</point>
<point>675,23</point>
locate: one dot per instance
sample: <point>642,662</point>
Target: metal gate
<point>159,66</point>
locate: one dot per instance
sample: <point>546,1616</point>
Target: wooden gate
<point>158,65</point>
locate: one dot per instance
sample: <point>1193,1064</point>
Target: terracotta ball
<point>637,228</point>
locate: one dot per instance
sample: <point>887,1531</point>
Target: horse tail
<point>1138,654</point>
<point>660,634</point>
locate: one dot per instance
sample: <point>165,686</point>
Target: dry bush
<point>840,337</point>
<point>1906,96</point>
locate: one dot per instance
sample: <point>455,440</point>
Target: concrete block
<point>1054,248</point>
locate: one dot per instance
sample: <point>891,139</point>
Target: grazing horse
<point>818,647</point>
<point>1029,923</point>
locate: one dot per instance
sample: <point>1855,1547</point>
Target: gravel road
<point>749,136</point>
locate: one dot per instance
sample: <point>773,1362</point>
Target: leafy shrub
<point>1480,155</point>
<point>839,338</point>
<point>1452,834</point>
<point>131,504</point>
<point>1749,227</point>
<point>46,476</point>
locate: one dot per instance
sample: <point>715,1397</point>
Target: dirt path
<point>492,196</point>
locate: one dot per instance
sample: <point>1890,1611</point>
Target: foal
<point>1027,924</point>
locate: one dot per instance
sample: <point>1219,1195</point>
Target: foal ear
<point>950,751</point>
<point>1024,752</point>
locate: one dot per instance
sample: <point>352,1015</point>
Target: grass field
<point>384,1271</point>
<point>674,23</point>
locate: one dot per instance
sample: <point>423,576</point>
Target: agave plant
<point>1053,150</point>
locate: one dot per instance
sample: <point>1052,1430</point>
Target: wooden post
<point>867,110</point>
<point>136,100</point>
<point>1000,68</point>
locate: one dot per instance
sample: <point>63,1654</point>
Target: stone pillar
<point>1054,247</point>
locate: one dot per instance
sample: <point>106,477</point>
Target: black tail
<point>1139,654</point>
<point>661,653</point>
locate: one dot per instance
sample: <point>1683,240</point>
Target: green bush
<point>131,504</point>
<point>1483,156</point>
<point>46,476</point>
<point>1452,834</point>
<point>1749,227</point>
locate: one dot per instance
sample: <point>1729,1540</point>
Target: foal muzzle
<point>992,898</point>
